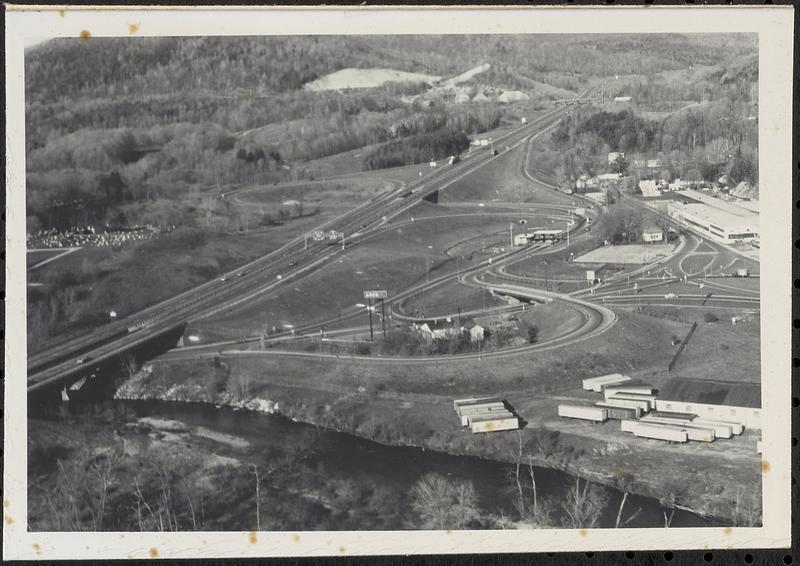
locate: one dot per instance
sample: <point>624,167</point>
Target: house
<point>622,99</point>
<point>727,401</point>
<point>609,176</point>
<point>652,234</point>
<point>649,188</point>
<point>654,163</point>
<point>436,329</point>
<point>476,331</point>
<point>614,155</point>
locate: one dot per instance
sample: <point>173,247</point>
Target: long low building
<point>722,221</point>
<point>725,401</point>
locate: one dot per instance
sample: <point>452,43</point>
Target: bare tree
<point>442,503</point>
<point>254,471</point>
<point>128,364</point>
<point>582,506</point>
<point>624,482</point>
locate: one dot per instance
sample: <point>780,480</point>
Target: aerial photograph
<point>393,282</point>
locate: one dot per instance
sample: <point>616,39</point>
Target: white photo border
<point>774,26</point>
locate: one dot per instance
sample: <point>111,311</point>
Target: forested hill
<point>98,67</point>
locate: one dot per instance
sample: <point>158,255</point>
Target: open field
<point>626,254</point>
<point>394,259</point>
<point>34,258</point>
<point>337,194</point>
<point>501,180</point>
<point>445,299</point>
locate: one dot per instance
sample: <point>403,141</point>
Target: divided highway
<point>74,357</point>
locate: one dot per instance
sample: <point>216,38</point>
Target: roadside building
<point>727,401</point>
<point>652,234</point>
<point>649,188</point>
<point>654,163</point>
<point>614,155</point>
<point>475,330</point>
<point>622,99</point>
<point>609,177</point>
<point>722,221</point>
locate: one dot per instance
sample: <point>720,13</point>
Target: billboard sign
<point>376,294</point>
<point>319,235</point>
<point>590,275</point>
<point>334,235</point>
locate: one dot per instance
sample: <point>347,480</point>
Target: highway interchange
<point>696,267</point>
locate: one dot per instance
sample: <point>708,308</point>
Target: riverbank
<point>708,480</point>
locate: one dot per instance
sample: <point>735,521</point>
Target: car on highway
<point>223,278</point>
<point>670,296</point>
<point>292,264</point>
<point>588,228</point>
<point>494,152</point>
<point>242,273</point>
<point>84,359</point>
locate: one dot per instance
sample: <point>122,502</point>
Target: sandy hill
<point>366,78</point>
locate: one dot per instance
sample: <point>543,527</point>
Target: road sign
<point>319,235</point>
<point>334,235</point>
<point>376,294</point>
<point>590,275</point>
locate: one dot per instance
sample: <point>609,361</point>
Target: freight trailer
<point>493,423</point>
<point>472,401</point>
<point>643,389</point>
<point>596,383</point>
<point>720,431</point>
<point>649,399</point>
<point>583,412</point>
<point>619,413</point>
<point>736,428</point>
<point>659,432</point>
<point>463,409</point>
<point>643,404</point>
<point>589,382</point>
<point>467,412</point>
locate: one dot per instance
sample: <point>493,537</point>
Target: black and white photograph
<point>366,282</point>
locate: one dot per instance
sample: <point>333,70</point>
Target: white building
<point>614,155</point>
<point>652,235</point>
<point>649,188</point>
<point>712,399</point>
<point>722,221</point>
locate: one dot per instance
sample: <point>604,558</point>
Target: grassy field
<point>394,259</point>
<point>628,254</point>
<point>32,257</point>
<point>341,195</point>
<point>501,180</point>
<point>447,298</point>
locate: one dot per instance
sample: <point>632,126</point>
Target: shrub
<point>710,317</point>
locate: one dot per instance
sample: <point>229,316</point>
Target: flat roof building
<point>738,402</point>
<point>721,220</point>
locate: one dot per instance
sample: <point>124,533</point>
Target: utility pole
<point>305,242</point>
<point>369,308</point>
<point>343,240</point>
<point>383,321</point>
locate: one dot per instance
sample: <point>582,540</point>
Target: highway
<point>290,261</point>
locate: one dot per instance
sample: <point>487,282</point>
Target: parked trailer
<point>635,389</point>
<point>459,402</point>
<point>643,404</point>
<point>717,431</point>
<point>596,383</point>
<point>472,406</point>
<point>494,423</point>
<point>467,413</point>
<point>623,403</point>
<point>649,399</point>
<point>736,428</point>
<point>627,383</point>
<point>584,412</point>
<point>589,382</point>
<point>620,413</point>
<point>658,431</point>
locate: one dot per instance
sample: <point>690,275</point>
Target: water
<point>363,460</point>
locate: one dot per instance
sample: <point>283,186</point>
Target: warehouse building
<point>722,221</point>
<point>725,401</point>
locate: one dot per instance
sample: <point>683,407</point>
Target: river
<point>360,460</point>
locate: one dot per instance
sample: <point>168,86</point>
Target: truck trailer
<point>490,422</point>
<point>583,412</point>
<point>656,431</point>
<point>618,413</point>
<point>717,431</point>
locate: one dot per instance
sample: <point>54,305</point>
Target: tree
<point>624,482</point>
<point>443,503</point>
<point>583,506</point>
